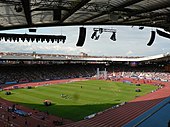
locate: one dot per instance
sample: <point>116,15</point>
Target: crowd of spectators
<point>20,73</point>
<point>143,72</point>
<point>39,72</point>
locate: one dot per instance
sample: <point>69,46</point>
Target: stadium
<point>31,72</point>
<point>84,90</point>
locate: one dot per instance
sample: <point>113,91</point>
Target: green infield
<point>77,99</point>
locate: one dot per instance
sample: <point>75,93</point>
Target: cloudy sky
<point>130,42</point>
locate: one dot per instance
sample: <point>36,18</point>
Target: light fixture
<point>97,37</point>
<point>113,37</point>
<point>18,8</point>
<point>94,34</point>
<point>32,37</point>
<point>152,38</point>
<point>32,30</point>
<point>100,30</point>
<point>163,34</point>
<point>141,27</point>
<point>82,37</point>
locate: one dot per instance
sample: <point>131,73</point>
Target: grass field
<point>79,98</point>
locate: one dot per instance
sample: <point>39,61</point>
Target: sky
<point>130,41</point>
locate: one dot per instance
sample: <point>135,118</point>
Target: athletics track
<point>113,117</point>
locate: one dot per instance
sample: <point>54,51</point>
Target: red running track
<point>110,118</point>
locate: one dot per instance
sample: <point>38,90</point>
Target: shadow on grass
<point>72,112</point>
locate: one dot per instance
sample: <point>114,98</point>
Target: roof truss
<point>40,13</point>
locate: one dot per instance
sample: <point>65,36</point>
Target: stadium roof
<point>57,57</point>
<point>41,13</point>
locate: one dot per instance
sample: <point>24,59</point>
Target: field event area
<point>76,100</point>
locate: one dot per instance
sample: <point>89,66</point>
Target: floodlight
<point>113,37</point>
